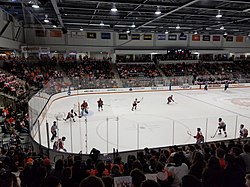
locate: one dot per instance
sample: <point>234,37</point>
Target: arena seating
<point>210,164</point>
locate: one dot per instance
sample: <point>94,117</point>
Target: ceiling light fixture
<point>133,25</point>
<point>225,34</point>
<point>81,29</point>
<point>157,12</point>
<point>166,32</point>
<point>54,26</point>
<point>195,32</point>
<point>128,31</point>
<point>219,15</point>
<point>222,28</point>
<point>35,5</point>
<point>101,24</point>
<point>46,19</point>
<point>178,26</point>
<point>114,9</point>
<point>248,35</point>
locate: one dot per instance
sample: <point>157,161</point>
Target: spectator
<point>51,181</point>
<point>233,175</point>
<point>150,183</point>
<point>198,164</point>
<point>137,177</point>
<point>246,157</point>
<point>191,181</point>
<point>212,174</point>
<point>92,181</point>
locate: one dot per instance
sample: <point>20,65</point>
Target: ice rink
<point>154,123</point>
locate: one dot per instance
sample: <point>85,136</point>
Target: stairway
<point>116,76</point>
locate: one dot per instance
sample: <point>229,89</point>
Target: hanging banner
<point>206,38</point>
<point>56,33</point>
<point>216,38</point>
<point>91,35</point>
<point>40,33</point>
<point>161,37</point>
<point>183,37</point>
<point>172,37</point>
<point>105,35</point>
<point>147,37</point>
<point>123,36</point>
<point>239,38</point>
<point>196,37</point>
<point>229,38</point>
<point>135,37</point>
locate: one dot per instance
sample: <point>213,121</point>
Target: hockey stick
<point>215,133</point>
<point>189,133</point>
<point>141,99</point>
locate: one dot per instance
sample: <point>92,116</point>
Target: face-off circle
<point>241,101</point>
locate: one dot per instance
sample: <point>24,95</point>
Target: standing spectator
<point>137,177</point>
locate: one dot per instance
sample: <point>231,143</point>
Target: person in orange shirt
<point>220,154</point>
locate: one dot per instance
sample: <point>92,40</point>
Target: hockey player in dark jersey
<point>170,99</point>
<point>134,105</point>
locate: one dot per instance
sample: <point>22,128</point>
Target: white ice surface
<point>154,123</point>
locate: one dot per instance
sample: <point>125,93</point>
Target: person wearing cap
<point>199,137</point>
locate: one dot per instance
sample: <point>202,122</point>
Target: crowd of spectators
<point>10,85</point>
<point>35,73</point>
<point>208,165</point>
<point>137,70</point>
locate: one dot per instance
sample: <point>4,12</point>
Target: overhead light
<point>114,9</point>
<point>248,35</point>
<point>35,5</point>
<point>178,26</point>
<point>46,19</point>
<point>222,28</point>
<point>219,15</point>
<point>81,29</point>
<point>65,14</point>
<point>133,25</point>
<point>166,32</point>
<point>195,32</point>
<point>225,34</point>
<point>157,12</point>
<point>101,24</point>
<point>128,31</point>
<point>54,26</point>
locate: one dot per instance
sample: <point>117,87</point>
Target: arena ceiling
<point>189,15</point>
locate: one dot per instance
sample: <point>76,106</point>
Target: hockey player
<point>206,86</point>
<point>199,137</point>
<point>100,104</point>
<point>134,105</point>
<point>61,144</point>
<point>170,99</point>
<point>53,131</point>
<point>243,131</point>
<point>226,85</point>
<point>222,125</point>
<point>84,108</point>
<point>72,115</point>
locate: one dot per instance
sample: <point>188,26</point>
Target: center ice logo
<point>241,101</point>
